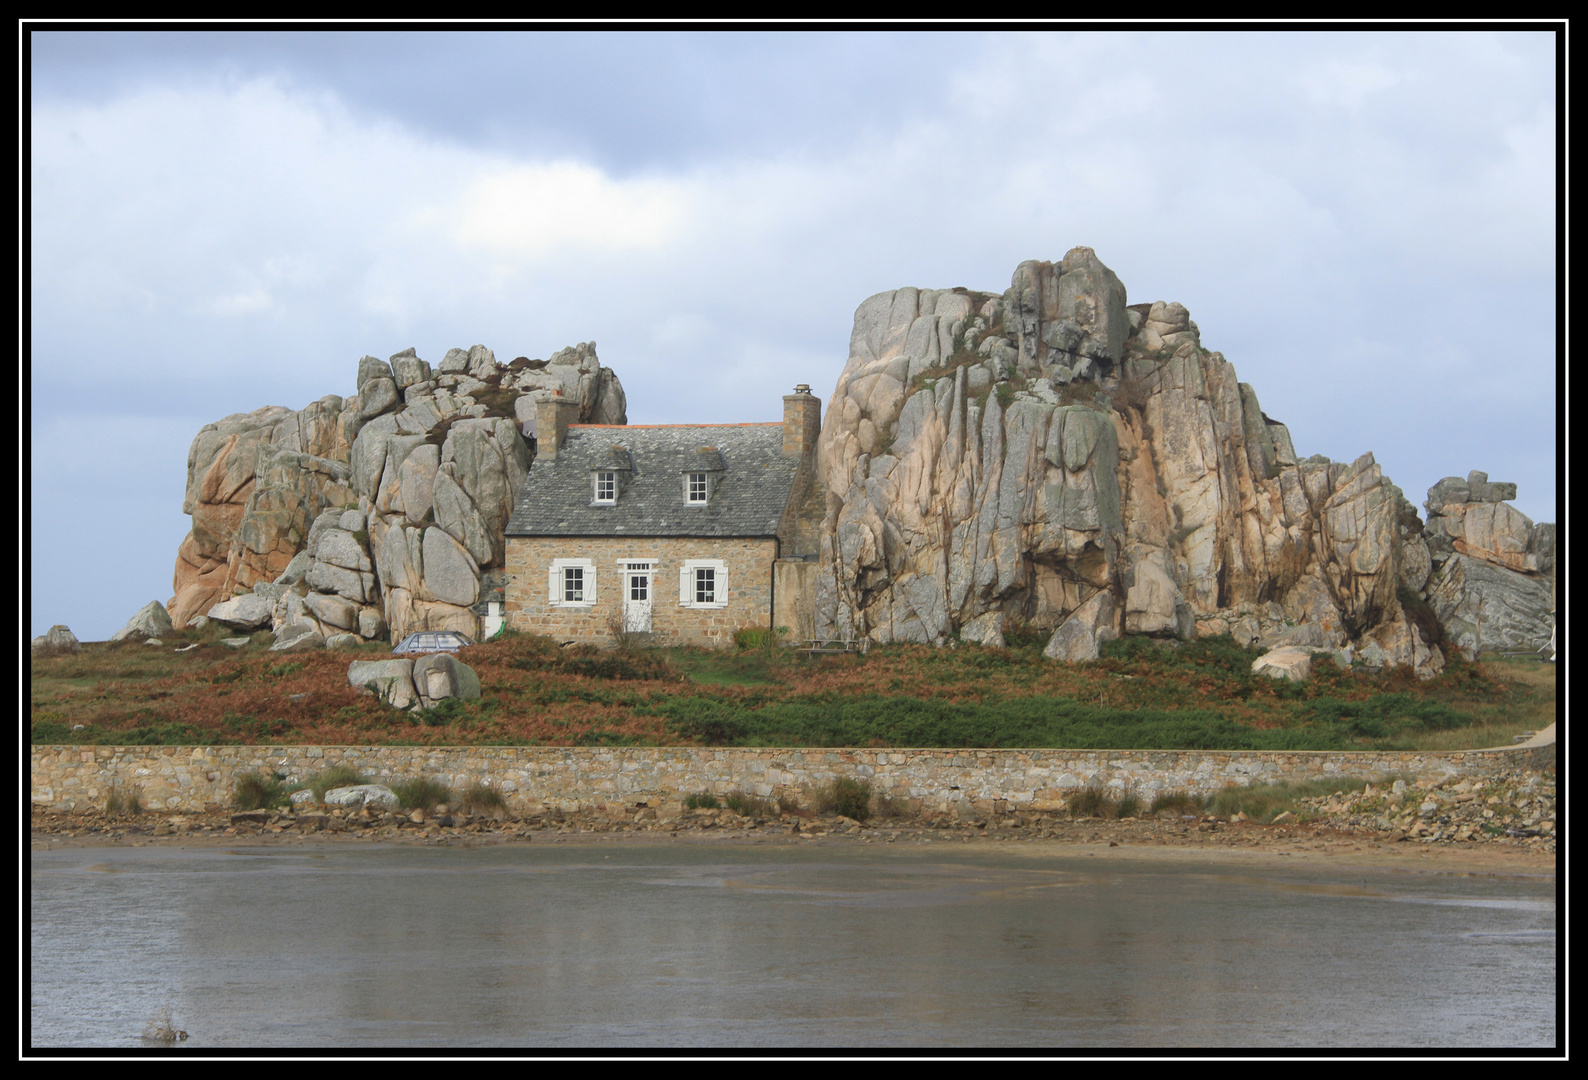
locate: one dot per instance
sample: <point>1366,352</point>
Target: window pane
<point>573,585</point>
<point>705,585</point>
<point>606,487</point>
<point>697,487</point>
<point>638,586</point>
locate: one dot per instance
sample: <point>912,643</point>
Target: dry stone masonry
<point>571,779</point>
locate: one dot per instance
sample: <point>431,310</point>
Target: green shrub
<point>763,638</point>
<point>256,792</point>
<point>704,801</point>
<point>334,777</point>
<point>1178,802</point>
<point>422,794</point>
<point>124,800</point>
<point>442,712</point>
<point>846,796</point>
<point>1129,806</point>
<point>749,805</point>
<point>483,800</point>
<point>1092,801</point>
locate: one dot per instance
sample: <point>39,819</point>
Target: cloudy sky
<point>1364,224</point>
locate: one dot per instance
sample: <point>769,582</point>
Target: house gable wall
<point>749,592</point>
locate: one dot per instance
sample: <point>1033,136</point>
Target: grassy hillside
<point>1200,695</point>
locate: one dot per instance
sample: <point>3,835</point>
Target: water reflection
<point>768,946</point>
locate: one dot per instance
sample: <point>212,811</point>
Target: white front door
<point>637,601</point>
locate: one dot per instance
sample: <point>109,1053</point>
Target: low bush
<point>750,805</point>
<point>532,652</point>
<point>1177,802</point>
<point>845,796</point>
<point>704,801</point>
<point>422,794</point>
<point>1129,806</point>
<point>885,805</point>
<point>1264,802</point>
<point>763,638</point>
<point>480,799</point>
<point>124,800</point>
<point>1092,802</point>
<point>442,713</point>
<point>334,777</point>
<point>256,792</point>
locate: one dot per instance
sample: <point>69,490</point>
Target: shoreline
<point>1203,840</point>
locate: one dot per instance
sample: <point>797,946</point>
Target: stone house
<point>687,532</point>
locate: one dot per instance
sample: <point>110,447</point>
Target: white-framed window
<point>697,488</point>
<point>606,486</point>
<point>572,583</point>
<point>703,583</point>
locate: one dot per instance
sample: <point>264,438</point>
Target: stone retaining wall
<point>966,782</point>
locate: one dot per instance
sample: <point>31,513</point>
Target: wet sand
<point>1110,840</point>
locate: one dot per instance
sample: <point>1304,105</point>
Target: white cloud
<point>532,211</point>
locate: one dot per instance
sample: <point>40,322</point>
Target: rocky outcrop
<point>1492,579</point>
<point>1056,458</point>
<point>379,513</point>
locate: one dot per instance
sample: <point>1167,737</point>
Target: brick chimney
<point>802,421</point>
<point>552,417</point>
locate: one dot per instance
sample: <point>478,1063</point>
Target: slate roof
<point>751,490</point>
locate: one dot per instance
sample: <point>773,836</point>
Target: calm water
<point>715,945</point>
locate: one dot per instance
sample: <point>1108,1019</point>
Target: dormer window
<point>701,476</point>
<point>609,475</point>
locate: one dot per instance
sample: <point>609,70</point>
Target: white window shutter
<point>686,585</point>
<point>722,583</point>
<point>553,586</point>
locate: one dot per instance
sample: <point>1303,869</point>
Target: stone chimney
<point>802,421</point>
<point>552,417</point>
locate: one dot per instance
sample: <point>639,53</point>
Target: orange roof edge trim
<point>631,427</point>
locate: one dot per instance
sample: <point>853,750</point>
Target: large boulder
<point>247,612</point>
<point>442,675</point>
<point>57,639</point>
<point>297,637</point>
<point>390,680</point>
<point>1081,636</point>
<point>150,621</point>
<point>362,796</point>
<point>1289,662</point>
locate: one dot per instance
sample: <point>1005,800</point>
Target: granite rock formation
<point>1056,458</point>
<point>376,514</point>
<point>1492,570</point>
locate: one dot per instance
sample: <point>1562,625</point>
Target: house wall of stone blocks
<point>529,606</point>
